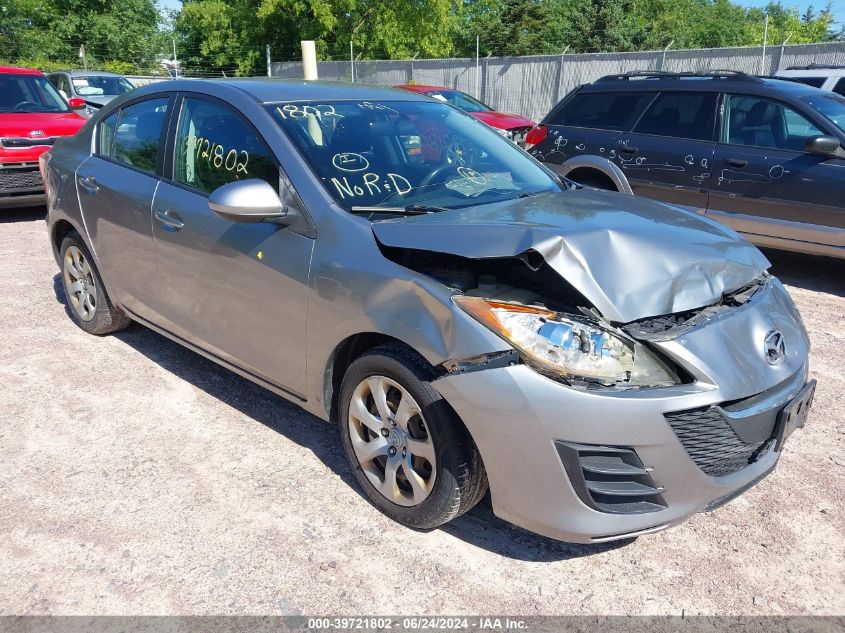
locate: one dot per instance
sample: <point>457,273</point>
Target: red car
<point>513,126</point>
<point>32,116</point>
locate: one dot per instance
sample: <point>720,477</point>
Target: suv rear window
<point>602,110</point>
<point>815,82</point>
<point>687,115</point>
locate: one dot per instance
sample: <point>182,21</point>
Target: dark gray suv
<point>763,156</point>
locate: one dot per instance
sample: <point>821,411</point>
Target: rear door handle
<point>89,184</point>
<point>737,162</point>
<point>170,220</point>
<point>628,149</point>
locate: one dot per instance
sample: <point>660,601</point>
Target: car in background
<point>607,364</point>
<point>824,76</point>
<point>764,156</point>
<point>96,88</point>
<point>32,116</point>
<point>513,126</point>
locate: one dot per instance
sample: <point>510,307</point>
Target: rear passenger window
<point>138,133</point>
<point>603,110</point>
<point>688,115</point>
<point>214,146</point>
<point>839,88</point>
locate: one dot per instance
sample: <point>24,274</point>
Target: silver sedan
<point>605,365</point>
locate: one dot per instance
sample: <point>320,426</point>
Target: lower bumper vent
<point>711,442</point>
<point>16,179</point>
<point>610,478</point>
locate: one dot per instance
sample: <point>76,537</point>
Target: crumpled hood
<point>631,257</point>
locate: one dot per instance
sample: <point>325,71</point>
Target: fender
<point>598,163</point>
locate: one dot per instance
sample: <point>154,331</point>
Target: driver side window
<point>214,147</point>
<point>759,122</point>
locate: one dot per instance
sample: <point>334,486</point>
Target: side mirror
<point>825,146</point>
<point>76,103</point>
<point>250,200</point>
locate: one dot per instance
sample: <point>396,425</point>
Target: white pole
<point>269,68</point>
<point>175,63</point>
<point>477,70</point>
<point>765,39</point>
<point>351,61</point>
<point>309,59</point>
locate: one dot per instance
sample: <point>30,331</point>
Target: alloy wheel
<point>391,441</point>
<point>79,283</point>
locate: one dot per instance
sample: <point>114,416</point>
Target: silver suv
<point>606,365</point>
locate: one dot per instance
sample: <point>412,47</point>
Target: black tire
<point>460,481</point>
<point>106,317</point>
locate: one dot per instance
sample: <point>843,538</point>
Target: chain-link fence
<point>532,85</point>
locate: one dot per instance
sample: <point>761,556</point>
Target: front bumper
<point>520,420</point>
<point>21,185</point>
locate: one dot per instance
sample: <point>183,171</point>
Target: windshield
<point>460,100</point>
<point>29,93</point>
<point>401,153</point>
<point>831,106</point>
<point>96,85</point>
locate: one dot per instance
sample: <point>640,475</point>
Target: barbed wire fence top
<point>531,85</point>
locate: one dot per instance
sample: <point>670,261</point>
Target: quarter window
<point>759,122</point>
<point>839,88</point>
<point>138,134</point>
<point>214,146</point>
<point>604,110</point>
<point>105,134</point>
<point>815,82</point>
<point>687,115</point>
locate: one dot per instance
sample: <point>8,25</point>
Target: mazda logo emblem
<point>774,347</point>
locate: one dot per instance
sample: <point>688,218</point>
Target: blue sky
<point>838,6</point>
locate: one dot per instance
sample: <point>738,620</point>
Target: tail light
<point>536,135</point>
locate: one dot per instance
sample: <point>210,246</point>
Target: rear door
<point>669,154</point>
<point>764,183</point>
<point>589,123</point>
<point>116,185</point>
<point>235,290</point>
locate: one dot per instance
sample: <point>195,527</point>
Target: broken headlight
<point>569,347</point>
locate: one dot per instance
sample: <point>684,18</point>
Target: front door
<point>116,185</point>
<point>236,290</point>
<point>668,155</point>
<point>764,183</point>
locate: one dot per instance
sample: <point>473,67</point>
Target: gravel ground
<point>139,478</point>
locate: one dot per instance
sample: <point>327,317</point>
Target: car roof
<point>15,70</point>
<point>271,90</point>
<point>86,73</point>
<point>722,83</point>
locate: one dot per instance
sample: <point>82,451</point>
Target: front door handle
<point>737,162</point>
<point>89,184</point>
<point>170,220</point>
<point>628,149</point>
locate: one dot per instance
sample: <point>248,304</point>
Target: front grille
<point>22,143</point>
<point>16,179</point>
<point>711,442</point>
<point>610,478</point>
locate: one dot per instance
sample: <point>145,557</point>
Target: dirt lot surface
<point>140,478</point>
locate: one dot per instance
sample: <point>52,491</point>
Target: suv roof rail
<point>815,66</point>
<point>660,74</point>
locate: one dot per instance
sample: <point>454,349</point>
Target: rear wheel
<point>88,304</point>
<point>407,448</point>
<point>593,178</point>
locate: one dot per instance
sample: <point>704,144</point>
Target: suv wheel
<point>408,450</point>
<point>88,304</point>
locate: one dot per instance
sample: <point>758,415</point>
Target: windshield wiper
<point>411,209</point>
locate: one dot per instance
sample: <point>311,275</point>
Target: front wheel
<point>407,448</point>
